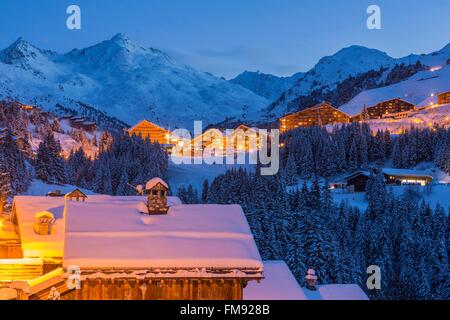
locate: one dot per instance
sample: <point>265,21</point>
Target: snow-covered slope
<point>420,89</point>
<point>126,80</point>
<point>350,62</point>
<point>266,85</point>
<point>331,70</point>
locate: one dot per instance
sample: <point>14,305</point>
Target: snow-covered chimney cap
<point>311,275</point>
<point>311,272</point>
<point>153,182</point>
<point>44,215</point>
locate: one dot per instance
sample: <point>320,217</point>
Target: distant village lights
<point>242,145</point>
<point>213,147</point>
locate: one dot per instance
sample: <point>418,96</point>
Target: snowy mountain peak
<point>120,37</point>
<point>22,53</point>
<point>122,41</point>
<point>119,52</point>
<point>128,81</point>
<point>355,59</point>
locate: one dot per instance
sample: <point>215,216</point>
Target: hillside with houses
<point>363,178</point>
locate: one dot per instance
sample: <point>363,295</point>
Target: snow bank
<point>278,284</point>
<point>418,89</point>
<point>39,188</point>
<point>336,292</point>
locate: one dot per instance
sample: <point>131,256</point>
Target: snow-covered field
<point>195,174</point>
<point>418,89</point>
<point>425,118</point>
<point>438,193</point>
<point>39,188</point>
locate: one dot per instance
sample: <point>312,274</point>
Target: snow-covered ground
<point>39,188</point>
<point>195,174</point>
<point>418,89</point>
<point>426,118</point>
<point>279,284</point>
<point>438,193</point>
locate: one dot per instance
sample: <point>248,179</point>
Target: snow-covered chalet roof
<point>336,292</point>
<point>406,172</point>
<point>394,172</point>
<point>154,181</point>
<point>280,284</point>
<point>110,233</point>
<point>26,208</point>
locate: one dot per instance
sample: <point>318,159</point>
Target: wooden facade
<point>157,289</point>
<point>244,138</point>
<point>357,182</point>
<point>11,249</point>
<point>76,194</point>
<point>319,115</point>
<point>393,106</point>
<point>146,129</point>
<point>444,98</point>
<point>211,138</point>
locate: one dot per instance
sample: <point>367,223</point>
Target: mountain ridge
<point>126,80</point>
<point>325,79</point>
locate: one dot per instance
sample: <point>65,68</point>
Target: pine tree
<point>205,191</point>
<point>5,184</point>
<point>353,157</point>
<point>290,171</point>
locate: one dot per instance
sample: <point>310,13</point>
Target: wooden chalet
<point>211,138</point>
<point>245,138</point>
<point>122,253</point>
<point>357,181</point>
<point>146,129</point>
<point>444,98</point>
<point>318,115</point>
<point>385,108</point>
<point>76,194</point>
<point>80,122</point>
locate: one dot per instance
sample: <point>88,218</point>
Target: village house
<point>211,138</point>
<point>144,247</point>
<point>444,98</point>
<point>318,115</point>
<point>390,108</point>
<point>245,138</point>
<point>80,122</point>
<point>357,181</point>
<point>137,247</point>
<point>146,129</point>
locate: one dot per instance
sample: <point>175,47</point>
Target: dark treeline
<point>408,240</point>
<point>315,151</point>
<point>120,163</point>
<point>122,160</point>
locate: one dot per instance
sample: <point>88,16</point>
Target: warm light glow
<point>436,68</point>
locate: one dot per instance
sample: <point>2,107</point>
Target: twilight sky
<point>226,37</point>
